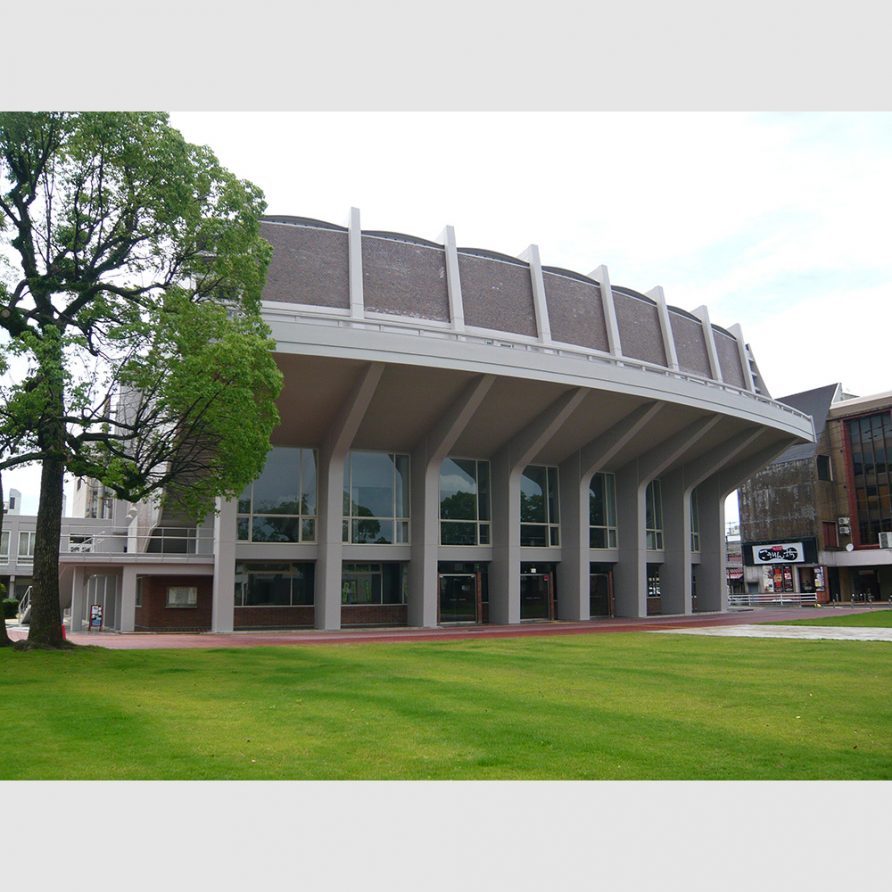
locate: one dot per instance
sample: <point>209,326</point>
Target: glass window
<point>822,463</point>
<point>374,584</point>
<point>26,546</point>
<point>280,505</point>
<point>653,523</point>
<point>539,519</point>
<point>464,502</point>
<point>4,547</point>
<point>602,511</point>
<point>870,439</point>
<point>272,584</point>
<point>182,596</point>
<point>376,498</point>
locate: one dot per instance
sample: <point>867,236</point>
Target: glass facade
<point>870,451</point>
<point>539,518</point>
<point>374,584</point>
<point>464,502</point>
<point>273,584</point>
<point>376,498</point>
<point>653,523</point>
<point>602,511</point>
<point>280,505</point>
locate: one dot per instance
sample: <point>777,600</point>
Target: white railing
<point>504,339</point>
<point>162,541</point>
<point>780,599</point>
<point>23,614</point>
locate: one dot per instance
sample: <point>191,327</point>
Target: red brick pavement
<point>155,640</point>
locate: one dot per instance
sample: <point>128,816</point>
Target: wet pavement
<point>833,633</point>
<point>737,623</point>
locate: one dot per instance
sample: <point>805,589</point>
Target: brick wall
<point>274,617</point>
<point>374,614</point>
<point>154,614</point>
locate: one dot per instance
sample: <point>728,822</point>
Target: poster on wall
<point>779,553</point>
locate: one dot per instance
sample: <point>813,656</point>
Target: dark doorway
<point>600,599</point>
<point>459,598</point>
<point>537,591</point>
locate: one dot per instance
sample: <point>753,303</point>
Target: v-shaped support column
<point>427,459</point>
<point>630,579</point>
<point>332,457</point>
<point>507,469</point>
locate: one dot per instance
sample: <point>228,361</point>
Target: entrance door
<point>599,594</point>
<point>459,598</point>
<point>537,596</point>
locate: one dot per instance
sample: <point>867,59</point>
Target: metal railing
<point>780,599</point>
<point>500,339</point>
<point>161,541</point>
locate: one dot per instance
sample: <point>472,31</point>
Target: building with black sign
<point>818,520</point>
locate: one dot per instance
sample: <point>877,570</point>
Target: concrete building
<point>465,436</point>
<point>818,520</point>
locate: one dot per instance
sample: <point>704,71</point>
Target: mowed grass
<point>619,706</point>
<point>869,619</point>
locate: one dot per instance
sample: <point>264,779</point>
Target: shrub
<point>10,608</point>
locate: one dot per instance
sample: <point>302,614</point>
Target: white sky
<point>777,221</point>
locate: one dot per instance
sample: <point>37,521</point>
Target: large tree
<point>135,312</point>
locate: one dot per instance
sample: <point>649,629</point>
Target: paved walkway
<point>701,623</point>
<point>833,633</point>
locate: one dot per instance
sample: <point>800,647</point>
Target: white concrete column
<point>330,483</point>
<point>223,592</point>
<point>675,574</point>
<point>630,573</point>
<point>540,302</point>
<point>613,339</point>
<point>128,599</point>
<point>427,459</point>
<point>354,254</point>
<point>77,599</point>
<point>657,294</point>
<point>573,570</point>
<point>453,279</point>
<point>737,331</point>
<point>709,336</point>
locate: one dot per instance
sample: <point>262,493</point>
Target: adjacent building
<point>465,436</point>
<point>818,520</point>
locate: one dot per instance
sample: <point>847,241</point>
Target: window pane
<point>597,537</point>
<point>553,516</point>
<point>276,490</point>
<point>242,529</point>
<point>597,510</point>
<point>373,532</point>
<point>275,529</point>
<point>371,481</point>
<point>401,502</point>
<point>458,490</point>
<point>483,490</point>
<point>308,481</point>
<point>458,533</point>
<point>532,495</point>
<point>308,533</point>
<point>533,535</point>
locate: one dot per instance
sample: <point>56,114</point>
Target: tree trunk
<point>5,640</point>
<point>46,612</point>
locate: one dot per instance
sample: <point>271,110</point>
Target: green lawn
<point>869,618</point>
<point>619,706</point>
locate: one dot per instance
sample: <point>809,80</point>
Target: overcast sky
<point>777,221</point>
